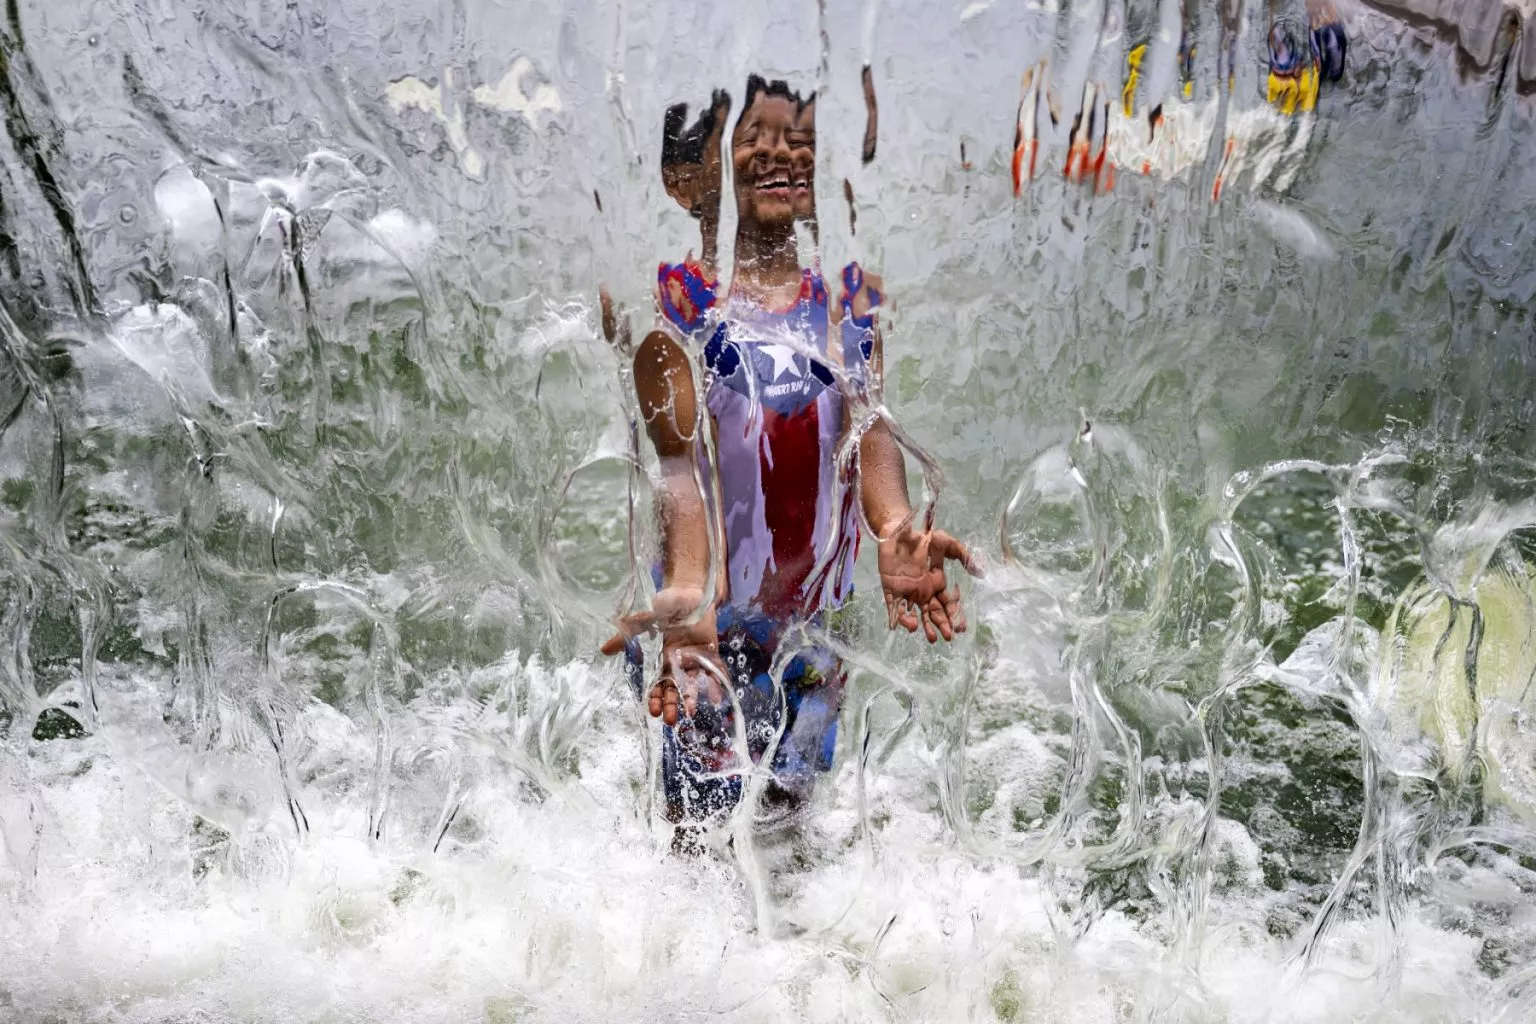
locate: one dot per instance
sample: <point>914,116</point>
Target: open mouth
<point>776,185</point>
<point>784,184</point>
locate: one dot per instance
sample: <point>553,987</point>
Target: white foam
<point>552,900</point>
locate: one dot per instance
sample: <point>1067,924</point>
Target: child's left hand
<point>912,579</point>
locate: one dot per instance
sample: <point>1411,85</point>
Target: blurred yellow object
<point>1133,62</point>
<point>1463,677</point>
<point>1290,93</point>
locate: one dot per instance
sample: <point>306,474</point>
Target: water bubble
<point>127,213</point>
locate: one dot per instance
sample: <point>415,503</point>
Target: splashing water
<point>318,489</point>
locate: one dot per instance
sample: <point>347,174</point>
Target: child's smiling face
<point>773,155</point>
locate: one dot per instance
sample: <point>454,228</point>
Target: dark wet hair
<point>759,86</point>
<point>684,144</point>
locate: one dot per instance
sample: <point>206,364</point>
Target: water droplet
<point>127,214</point>
<point>947,926</point>
<point>92,40</point>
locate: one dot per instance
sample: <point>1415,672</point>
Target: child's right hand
<point>690,651</point>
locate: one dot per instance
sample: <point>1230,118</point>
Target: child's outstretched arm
<point>668,402</point>
<point>911,559</point>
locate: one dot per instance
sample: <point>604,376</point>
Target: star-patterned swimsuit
<point>790,520</point>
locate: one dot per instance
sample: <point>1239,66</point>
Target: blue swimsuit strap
<point>853,281</point>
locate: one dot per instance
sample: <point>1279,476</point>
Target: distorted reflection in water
<point>1207,324</point>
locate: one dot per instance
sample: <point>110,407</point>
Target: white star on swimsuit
<point>783,360</point>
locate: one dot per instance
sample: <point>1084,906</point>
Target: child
<point>776,513</point>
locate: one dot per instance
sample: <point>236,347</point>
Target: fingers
<point>947,613</point>
<point>671,608</point>
<point>670,702</point>
<point>942,615</point>
<point>629,626</point>
<point>663,701</point>
<point>687,676</point>
<point>937,618</point>
<point>954,609</point>
<point>900,612</point>
<point>943,546</point>
<point>686,669</point>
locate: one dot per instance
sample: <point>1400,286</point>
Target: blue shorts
<point>700,762</point>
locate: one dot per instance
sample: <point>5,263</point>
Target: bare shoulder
<point>664,385</point>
